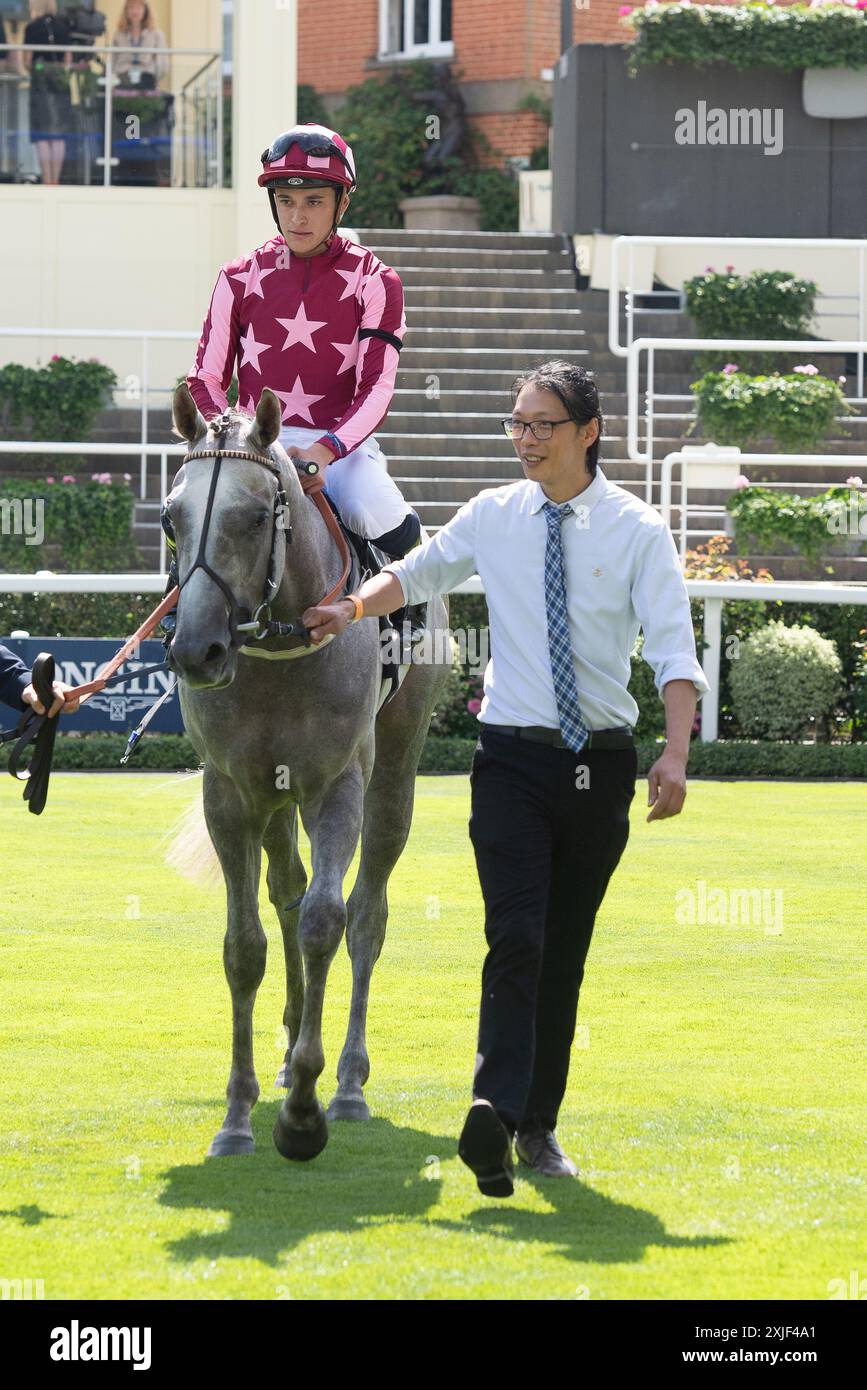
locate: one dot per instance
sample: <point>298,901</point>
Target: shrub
<point>749,35</point>
<point>760,304</point>
<point>797,411</point>
<point>384,120</point>
<point>88,526</point>
<point>59,401</point>
<point>785,679</point>
<point>763,516</point>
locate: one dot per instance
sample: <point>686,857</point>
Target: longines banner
<point>120,708</point>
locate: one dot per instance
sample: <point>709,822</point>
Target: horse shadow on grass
<point>380,1173</point>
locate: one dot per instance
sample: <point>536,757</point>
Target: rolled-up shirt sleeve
<point>661,604</point>
<point>440,563</point>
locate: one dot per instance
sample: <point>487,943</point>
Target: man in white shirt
<point>572,565</point>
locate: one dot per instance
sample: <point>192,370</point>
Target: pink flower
<point>729,269</point>
<point>841,380</point>
<point>49,480</point>
<point>729,368</point>
<point>127,477</point>
<point>854,481</point>
<point>55,357</point>
<point>742,481</point>
<point>68,478</point>
<point>474,706</point>
<point>709,270</point>
<point>807,370</point>
<point>624,11</point>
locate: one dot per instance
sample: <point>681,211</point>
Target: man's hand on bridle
<point>329,619</point>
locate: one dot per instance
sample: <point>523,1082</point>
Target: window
<point>415,28</point>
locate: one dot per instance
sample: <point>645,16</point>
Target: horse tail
<point>190,849</point>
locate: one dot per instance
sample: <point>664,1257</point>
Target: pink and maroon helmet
<point>308,154</point>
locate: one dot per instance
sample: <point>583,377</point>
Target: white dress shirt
<point>622,572</point>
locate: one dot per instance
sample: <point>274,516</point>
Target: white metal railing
<point>208,80</point>
<point>137,388</point>
<point>650,345</point>
<point>160,451</point>
<point>689,458</point>
<point>713,593</point>
<point>857,245</point>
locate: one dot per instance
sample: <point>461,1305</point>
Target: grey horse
<point>280,737</point>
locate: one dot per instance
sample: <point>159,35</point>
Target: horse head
<point>230,518</point>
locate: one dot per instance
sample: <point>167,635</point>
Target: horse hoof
<point>226,1143</point>
<point>284,1079</point>
<point>300,1144</point>
<point>348,1108</point>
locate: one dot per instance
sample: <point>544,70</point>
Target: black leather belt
<point>598,738</point>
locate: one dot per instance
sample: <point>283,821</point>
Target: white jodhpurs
<point>369,501</point>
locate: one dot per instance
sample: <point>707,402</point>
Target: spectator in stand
<point>137,29</point>
<point>50,107</point>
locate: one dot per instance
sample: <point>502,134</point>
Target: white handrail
<point>631,241</point>
<point>719,454</point>
<point>645,456</point>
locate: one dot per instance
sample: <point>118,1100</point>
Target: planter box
<point>442,213</point>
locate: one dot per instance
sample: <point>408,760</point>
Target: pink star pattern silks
<point>297,402</point>
<point>298,332</point>
<point>349,352</point>
<point>252,278</point>
<point>252,349</point>
<point>301,329</point>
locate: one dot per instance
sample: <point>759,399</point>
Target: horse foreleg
<point>333,823</point>
<point>287,880</point>
<point>239,846</point>
<point>387,818</point>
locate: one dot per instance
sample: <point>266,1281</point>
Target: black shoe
<point>538,1148</point>
<point>486,1147</point>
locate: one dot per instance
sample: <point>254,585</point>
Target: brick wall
<point>495,41</point>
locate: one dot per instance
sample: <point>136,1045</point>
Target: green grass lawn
<point>715,1104</point>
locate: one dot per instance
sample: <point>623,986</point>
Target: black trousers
<point>545,850</point>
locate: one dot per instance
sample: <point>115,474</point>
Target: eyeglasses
<point>311,143</point>
<point>541,429</point>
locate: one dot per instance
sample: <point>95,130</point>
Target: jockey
<point>320,320</point>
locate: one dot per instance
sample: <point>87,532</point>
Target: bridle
<point>245,625</point>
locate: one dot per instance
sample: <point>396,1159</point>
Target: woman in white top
<point>137,29</point>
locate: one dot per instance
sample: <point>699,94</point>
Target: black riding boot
<point>396,544</point>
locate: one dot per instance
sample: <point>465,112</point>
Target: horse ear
<point>189,422</point>
<point>269,415</point>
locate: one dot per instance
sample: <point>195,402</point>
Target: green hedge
<point>87,525</point>
<point>796,410</point>
<point>749,36</point>
<point>174,752</point>
<point>59,401</point>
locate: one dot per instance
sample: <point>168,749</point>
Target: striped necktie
<point>572,725</point>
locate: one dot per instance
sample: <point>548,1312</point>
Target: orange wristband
<point>358,605</point>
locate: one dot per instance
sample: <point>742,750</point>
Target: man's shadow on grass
<point>379,1173</point>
